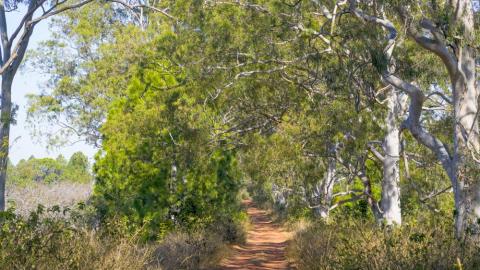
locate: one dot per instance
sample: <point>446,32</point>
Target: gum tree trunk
<point>466,180</point>
<point>324,190</point>
<point>390,202</point>
<point>5,120</point>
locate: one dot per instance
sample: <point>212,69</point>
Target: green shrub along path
<point>265,247</point>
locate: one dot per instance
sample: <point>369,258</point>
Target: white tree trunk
<point>324,190</point>
<point>279,197</point>
<point>466,181</point>
<point>390,202</point>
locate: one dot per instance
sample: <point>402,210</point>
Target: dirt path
<point>265,246</point>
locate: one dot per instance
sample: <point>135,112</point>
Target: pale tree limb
<point>417,97</point>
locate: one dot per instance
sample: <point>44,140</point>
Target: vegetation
<point>356,118</point>
<point>48,170</point>
<point>63,241</point>
<point>414,246</point>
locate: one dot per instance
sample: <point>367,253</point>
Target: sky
<point>23,145</point>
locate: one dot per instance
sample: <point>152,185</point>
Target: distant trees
<point>49,170</point>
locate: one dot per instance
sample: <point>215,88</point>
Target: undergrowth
<point>350,244</point>
<point>55,238</point>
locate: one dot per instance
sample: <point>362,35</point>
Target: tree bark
<point>390,202</point>
<point>324,190</point>
<point>466,139</point>
<point>5,121</point>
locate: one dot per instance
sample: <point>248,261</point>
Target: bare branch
<point>57,11</point>
<point>374,151</point>
<point>436,45</point>
<point>133,7</point>
<point>435,193</point>
<point>442,95</point>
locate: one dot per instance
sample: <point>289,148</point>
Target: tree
<point>158,166</point>
<point>79,161</point>
<point>13,52</point>
<point>452,41</point>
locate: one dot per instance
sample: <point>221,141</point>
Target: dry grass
<point>363,245</point>
<point>61,248</point>
<point>43,239</point>
<point>64,194</point>
<point>190,251</point>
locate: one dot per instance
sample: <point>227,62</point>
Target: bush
<point>44,240</point>
<point>190,251</point>
<point>363,245</point>
<point>55,238</point>
<point>231,230</point>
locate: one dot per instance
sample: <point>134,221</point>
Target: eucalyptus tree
<point>447,30</point>
<point>356,68</point>
<point>259,62</point>
<point>13,48</point>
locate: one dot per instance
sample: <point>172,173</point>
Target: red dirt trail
<point>265,246</point>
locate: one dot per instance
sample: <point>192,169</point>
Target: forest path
<point>265,245</point>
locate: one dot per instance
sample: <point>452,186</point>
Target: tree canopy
<point>366,109</point>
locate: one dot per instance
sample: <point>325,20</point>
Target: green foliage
<point>57,238</point>
<point>46,239</point>
<point>157,168</point>
<point>48,170</point>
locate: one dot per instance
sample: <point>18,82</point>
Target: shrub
<point>45,241</point>
<point>363,245</point>
<point>231,229</point>
<point>55,238</point>
<point>190,251</point>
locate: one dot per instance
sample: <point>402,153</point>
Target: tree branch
<point>374,151</point>
<point>436,45</point>
<point>133,7</point>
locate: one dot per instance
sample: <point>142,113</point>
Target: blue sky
<point>30,81</point>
